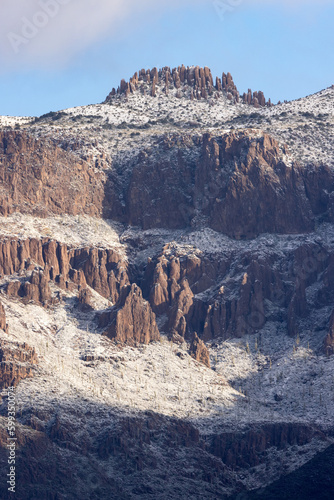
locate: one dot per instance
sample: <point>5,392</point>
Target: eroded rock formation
<point>199,351</point>
<point>34,289</point>
<point>136,444</point>
<point>132,320</point>
<point>192,81</point>
<point>104,270</point>
<point>246,449</point>
<point>85,299</point>
<point>235,294</point>
<point>17,362</point>
<point>239,183</point>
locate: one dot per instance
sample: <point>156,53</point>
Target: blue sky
<point>82,48</point>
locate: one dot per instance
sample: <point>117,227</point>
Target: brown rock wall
<point>132,320</point>
<point>40,178</point>
<point>102,269</point>
<point>17,362</point>
<point>236,294</point>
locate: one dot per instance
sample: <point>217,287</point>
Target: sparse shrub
<point>255,116</point>
<point>54,115</point>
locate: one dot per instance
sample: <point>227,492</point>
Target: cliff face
<point>199,351</point>
<point>40,178</point>
<point>197,292</point>
<point>135,443</point>
<point>104,270</point>
<point>17,362</point>
<point>3,324</point>
<point>240,184</point>
<point>248,448</point>
<point>235,293</point>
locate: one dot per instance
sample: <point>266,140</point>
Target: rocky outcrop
<point>234,308</point>
<point>40,178</point>
<point>256,99</point>
<point>3,323</point>
<point>182,304</point>
<point>135,444</point>
<point>150,206</point>
<point>104,270</point>
<point>193,82</point>
<point>247,449</point>
<point>229,86</point>
<point>17,362</point>
<point>35,288</point>
<point>199,351</point>
<point>237,308</point>
<point>252,190</point>
<point>171,281</point>
<point>236,293</point>
<point>132,320</point>
<point>239,184</point>
<point>85,300</point>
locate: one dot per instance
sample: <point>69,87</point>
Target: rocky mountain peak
<point>167,291</point>
<point>192,82</point>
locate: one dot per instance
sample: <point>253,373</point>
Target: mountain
<point>167,293</point>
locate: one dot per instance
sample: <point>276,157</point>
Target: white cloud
<point>41,32</point>
<point>51,31</point>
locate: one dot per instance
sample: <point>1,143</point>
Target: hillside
<point>167,291</point>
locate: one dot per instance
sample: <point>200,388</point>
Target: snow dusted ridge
<point>138,246</point>
<point>124,126</point>
<point>12,121</point>
<point>78,231</point>
<point>150,377</point>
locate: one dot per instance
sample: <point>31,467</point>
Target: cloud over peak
<point>41,32</point>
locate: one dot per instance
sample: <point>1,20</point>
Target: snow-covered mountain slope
<point>202,223</point>
<point>14,121</point>
<point>92,385</point>
<point>126,124</point>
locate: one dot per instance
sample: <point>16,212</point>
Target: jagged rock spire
<point>192,82</point>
